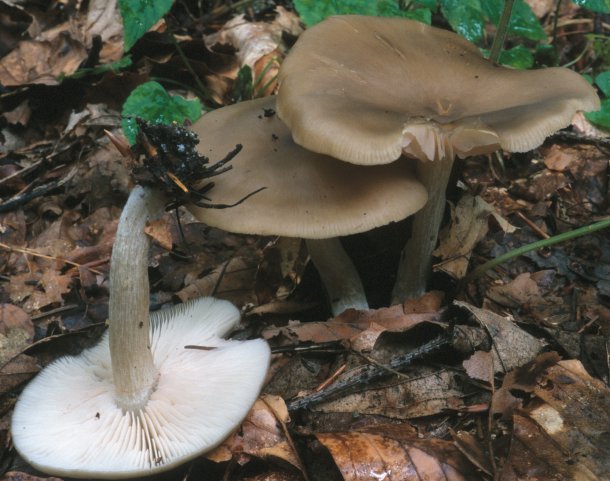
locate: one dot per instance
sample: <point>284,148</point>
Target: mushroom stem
<point>416,258</point>
<point>338,274</point>
<point>132,364</point>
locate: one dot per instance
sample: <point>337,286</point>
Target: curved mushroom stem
<point>338,274</point>
<point>416,258</point>
<point>132,363</point>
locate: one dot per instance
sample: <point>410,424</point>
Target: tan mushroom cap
<point>363,89</point>
<point>306,194</point>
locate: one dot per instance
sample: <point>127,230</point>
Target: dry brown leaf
<point>512,346</point>
<point>259,45</point>
<point>159,231</point>
<point>43,60</point>
<point>261,434</point>
<point>34,291</point>
<point>16,331</point>
<point>373,457</point>
<point>18,476</point>
<point>523,379</point>
<point>352,323</point>
<point>469,224</point>
<point>280,269</point>
<point>428,392</point>
<point>233,281</point>
<point>480,366</point>
<point>16,372</point>
<point>575,417</point>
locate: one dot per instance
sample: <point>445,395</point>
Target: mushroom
<point>139,402</point>
<point>367,90</point>
<point>307,195</point>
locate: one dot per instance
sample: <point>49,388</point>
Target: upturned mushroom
<point>139,402</point>
<point>368,90</point>
<point>306,194</point>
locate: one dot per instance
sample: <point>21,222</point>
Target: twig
<point>36,192</point>
<point>369,373</point>
<point>532,226</point>
<point>44,256</point>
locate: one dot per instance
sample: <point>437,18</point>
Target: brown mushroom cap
<point>306,194</point>
<point>364,89</point>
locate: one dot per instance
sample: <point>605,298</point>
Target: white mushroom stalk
<point>338,274</point>
<point>139,402</point>
<point>133,369</point>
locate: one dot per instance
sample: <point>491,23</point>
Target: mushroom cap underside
<point>353,86</point>
<point>306,194</point>
<point>67,423</point>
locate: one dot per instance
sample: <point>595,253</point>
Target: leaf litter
<point>498,404</point>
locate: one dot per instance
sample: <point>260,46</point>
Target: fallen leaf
<point>352,323</point>
<point>261,434</point>
<point>469,224</point>
<point>16,331</point>
<point>422,393</point>
<point>364,456</point>
<point>512,346</point>
<point>43,60</point>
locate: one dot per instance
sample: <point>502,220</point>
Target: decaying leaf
<point>37,290</point>
<point>261,434</point>
<point>512,346</point>
<point>365,456</point>
<point>233,281</point>
<point>16,331</point>
<point>259,45</point>
<point>363,327</point>
<point>469,224</point>
<point>43,60</point>
<point>424,392</point>
<point>280,269</point>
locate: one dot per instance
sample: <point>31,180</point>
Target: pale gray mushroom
<point>368,89</point>
<point>139,403</point>
<point>306,194</point>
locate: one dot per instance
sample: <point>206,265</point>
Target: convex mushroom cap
<point>306,194</point>
<point>67,421</point>
<point>366,89</point>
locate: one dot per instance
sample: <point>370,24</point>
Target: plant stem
<point>132,364</point>
<point>498,42</point>
<point>479,271</point>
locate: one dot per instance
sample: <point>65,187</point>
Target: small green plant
<point>151,102</point>
<point>602,116</point>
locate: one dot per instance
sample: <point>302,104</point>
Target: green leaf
<point>430,4</point>
<point>151,102</point>
<point>601,6</point>
<point>602,116</point>
<point>139,15</point>
<point>465,17</point>
<point>546,55</point>
<point>314,11</point>
<point>423,15</point>
<point>523,22</point>
<point>603,82</point>
<point>242,87</point>
<point>517,57</point>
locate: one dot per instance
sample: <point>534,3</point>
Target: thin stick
<point>498,42</point>
<point>34,253</point>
